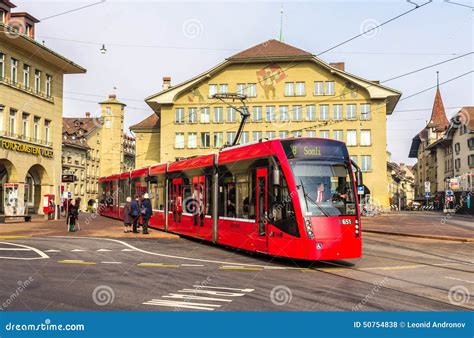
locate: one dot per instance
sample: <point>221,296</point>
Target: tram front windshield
<point>324,188</point>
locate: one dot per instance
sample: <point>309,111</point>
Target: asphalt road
<point>395,273</point>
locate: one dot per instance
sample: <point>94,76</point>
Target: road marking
<point>158,265</point>
<point>232,267</point>
<point>192,264</point>
<point>224,288</point>
<point>72,261</point>
<point>127,250</point>
<point>40,253</point>
<point>103,250</point>
<point>461,280</point>
<point>181,305</point>
<point>396,267</point>
<point>13,237</point>
<point>77,250</point>
<point>14,249</point>
<point>53,250</point>
<point>326,269</point>
<point>180,296</point>
<point>111,262</point>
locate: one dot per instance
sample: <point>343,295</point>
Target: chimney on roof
<point>112,96</point>
<point>24,23</point>
<point>338,65</point>
<point>166,82</point>
<point>88,114</point>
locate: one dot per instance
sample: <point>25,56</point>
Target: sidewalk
<point>434,225</point>
<point>92,225</point>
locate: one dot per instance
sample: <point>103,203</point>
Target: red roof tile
<point>270,48</point>
<point>151,122</point>
<point>438,119</point>
<point>72,124</point>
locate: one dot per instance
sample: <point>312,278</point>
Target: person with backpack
<point>135,213</point>
<point>146,212</point>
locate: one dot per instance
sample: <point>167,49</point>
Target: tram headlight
<point>309,228</point>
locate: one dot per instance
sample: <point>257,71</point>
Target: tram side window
<point>157,190</point>
<point>138,187</point>
<point>283,214</point>
<point>102,192</point>
<point>188,201</point>
<point>208,195</point>
<point>123,191</point>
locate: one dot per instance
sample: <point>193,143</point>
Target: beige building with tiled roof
<point>95,147</point>
<point>290,93</point>
<point>31,105</point>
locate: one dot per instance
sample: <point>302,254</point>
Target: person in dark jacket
<point>127,215</point>
<point>146,212</point>
<point>72,215</point>
<point>135,213</point>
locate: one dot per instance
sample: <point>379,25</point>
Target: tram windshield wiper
<point>308,198</point>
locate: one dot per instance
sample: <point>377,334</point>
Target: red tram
<point>289,198</point>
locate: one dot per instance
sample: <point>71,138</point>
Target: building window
<point>351,112</point>
<point>457,147</point>
<point>257,114</point>
<point>192,140</point>
<point>366,163</point>
<point>311,133</point>
<point>318,88</point>
<point>3,16</point>
<point>310,113</point>
<point>241,88</point>
<point>212,89</point>
<point>297,113</point>
<point>49,83</point>
<point>12,122</point>
<point>289,89</point>
<point>297,133</point>
<point>26,76</point>
<point>179,115</point>
<point>323,112</point>
<point>324,133</point>
<point>37,81</point>
<point>351,138</point>
<point>2,109</point>
<point>2,66</point>
<point>205,115</point>
<point>354,158</point>
<point>223,88</point>
<point>244,137</point>
<point>470,161</point>
<point>13,70</point>
<point>470,142</point>
<point>218,140</point>
<point>24,125</point>
<point>329,88</point>
<point>257,135</point>
<point>365,138</point>
<point>283,134</point>
<point>270,135</point>
<point>365,112</point>
<point>231,115</point>
<point>337,111</point>
<point>47,124</point>
<point>252,90</point>
<point>179,141</point>
<point>270,113</point>
<point>218,116</point>
<point>230,137</point>
<point>192,115</point>
<point>457,164</point>
<point>284,116</point>
<point>300,89</point>
<point>36,125</point>
<point>338,135</point>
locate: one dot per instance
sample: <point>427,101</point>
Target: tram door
<point>198,200</point>
<point>261,207</point>
<point>177,199</point>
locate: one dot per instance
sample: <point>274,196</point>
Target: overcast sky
<point>148,40</point>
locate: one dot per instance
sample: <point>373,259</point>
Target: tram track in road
<point>345,267</point>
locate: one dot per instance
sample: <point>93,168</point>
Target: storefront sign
<point>25,148</point>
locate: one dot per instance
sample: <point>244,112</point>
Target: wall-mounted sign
<point>26,148</point>
<point>68,178</point>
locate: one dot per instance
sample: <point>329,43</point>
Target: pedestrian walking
<point>127,215</point>
<point>72,215</point>
<point>146,212</point>
<point>135,213</point>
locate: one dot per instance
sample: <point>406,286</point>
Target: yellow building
<point>31,99</point>
<point>94,147</point>
<point>290,93</point>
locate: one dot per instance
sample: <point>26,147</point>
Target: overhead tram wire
<point>72,10</point>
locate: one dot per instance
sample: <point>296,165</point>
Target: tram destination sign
<point>314,148</point>
<point>25,148</point>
